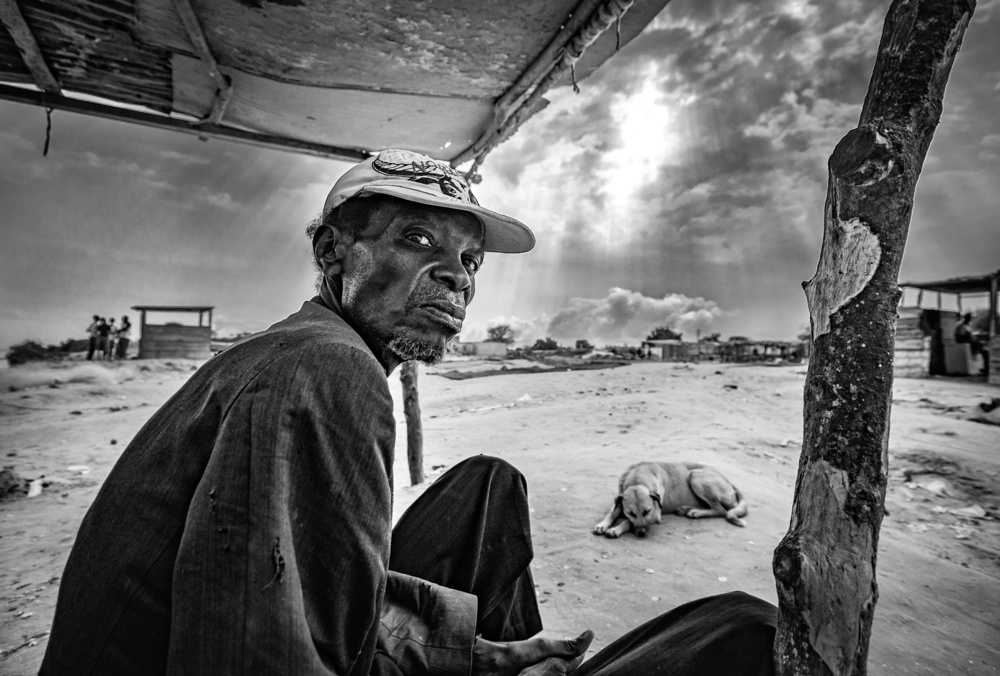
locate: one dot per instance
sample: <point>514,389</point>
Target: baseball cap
<point>417,178</point>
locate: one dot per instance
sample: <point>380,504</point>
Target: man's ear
<point>329,247</point>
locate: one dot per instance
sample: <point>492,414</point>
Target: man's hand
<point>533,657</point>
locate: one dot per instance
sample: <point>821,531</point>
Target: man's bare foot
<point>534,656</point>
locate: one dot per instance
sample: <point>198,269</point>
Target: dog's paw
<point>683,511</point>
<point>737,521</point>
<point>599,529</point>
<point>611,533</point>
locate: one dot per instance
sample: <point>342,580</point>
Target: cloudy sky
<point>684,185</point>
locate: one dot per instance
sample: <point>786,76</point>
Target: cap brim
<point>502,234</point>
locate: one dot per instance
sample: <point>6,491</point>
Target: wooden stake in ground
<point>825,565</point>
<point>414,428</point>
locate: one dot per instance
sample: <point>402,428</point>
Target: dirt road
<point>571,433</point>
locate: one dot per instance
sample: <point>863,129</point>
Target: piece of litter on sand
<point>937,487</point>
<point>524,397</point>
<point>962,532</point>
<point>654,598</point>
<point>78,468</point>
<point>35,488</point>
<point>723,579</point>
<point>650,570</point>
<point>939,510</point>
<point>974,511</point>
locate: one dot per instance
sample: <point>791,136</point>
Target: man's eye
<point>420,238</point>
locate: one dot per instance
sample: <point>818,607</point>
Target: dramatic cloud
<point>627,316</point>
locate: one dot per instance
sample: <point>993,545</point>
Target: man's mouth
<point>445,312</point>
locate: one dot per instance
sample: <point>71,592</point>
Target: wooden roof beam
<point>204,131</point>
<point>224,86</point>
<point>525,99</point>
<point>20,31</point>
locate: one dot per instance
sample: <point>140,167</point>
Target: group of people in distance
<point>108,341</point>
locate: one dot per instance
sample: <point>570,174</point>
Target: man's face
<point>408,277</point>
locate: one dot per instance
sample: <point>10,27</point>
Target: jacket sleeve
<point>426,628</point>
<point>282,564</point>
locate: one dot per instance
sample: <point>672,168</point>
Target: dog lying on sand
<point>647,490</point>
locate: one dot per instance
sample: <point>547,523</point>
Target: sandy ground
<point>571,433</point>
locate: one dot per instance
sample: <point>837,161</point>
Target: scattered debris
<point>972,511</point>
<point>730,387</point>
<point>35,488</point>
<point>990,405</point>
<point>12,485</point>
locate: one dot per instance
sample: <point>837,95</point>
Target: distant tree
<point>501,333</point>
<point>738,339</point>
<point>664,333</point>
<point>584,344</point>
<point>711,338</point>
<point>545,344</point>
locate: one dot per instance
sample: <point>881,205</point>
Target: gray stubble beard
<point>407,347</point>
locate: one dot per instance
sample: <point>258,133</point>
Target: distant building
<point>173,340</point>
<point>925,336</point>
<point>482,348</point>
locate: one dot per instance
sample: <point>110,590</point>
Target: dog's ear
<point>618,501</point>
<point>656,499</point>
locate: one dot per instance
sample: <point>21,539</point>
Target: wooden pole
<point>414,428</point>
<point>825,565</point>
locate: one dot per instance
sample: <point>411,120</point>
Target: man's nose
<point>453,274</point>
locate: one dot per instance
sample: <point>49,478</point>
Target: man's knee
<point>492,467</point>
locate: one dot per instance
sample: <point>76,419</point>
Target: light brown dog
<point>647,490</point>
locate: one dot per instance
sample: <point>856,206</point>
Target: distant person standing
<point>109,351</point>
<point>963,334</point>
<point>124,337</point>
<point>103,330</point>
<point>92,336</point>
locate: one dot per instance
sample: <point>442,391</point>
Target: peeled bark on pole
<point>825,565</point>
<point>414,428</point>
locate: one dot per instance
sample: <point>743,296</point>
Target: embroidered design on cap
<point>423,169</point>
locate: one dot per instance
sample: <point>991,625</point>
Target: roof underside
<point>962,285</point>
<point>334,77</point>
<point>173,308</point>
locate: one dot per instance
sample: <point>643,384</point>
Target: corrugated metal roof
<point>963,285</point>
<point>339,77</point>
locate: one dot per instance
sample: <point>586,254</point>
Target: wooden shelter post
<point>992,326</point>
<point>825,565</point>
<point>414,429</point>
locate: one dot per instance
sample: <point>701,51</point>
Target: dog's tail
<point>734,514</point>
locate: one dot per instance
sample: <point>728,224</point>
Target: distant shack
<point>174,340</point>
<point>925,336</point>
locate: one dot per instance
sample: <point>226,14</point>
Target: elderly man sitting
<point>247,527</point>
